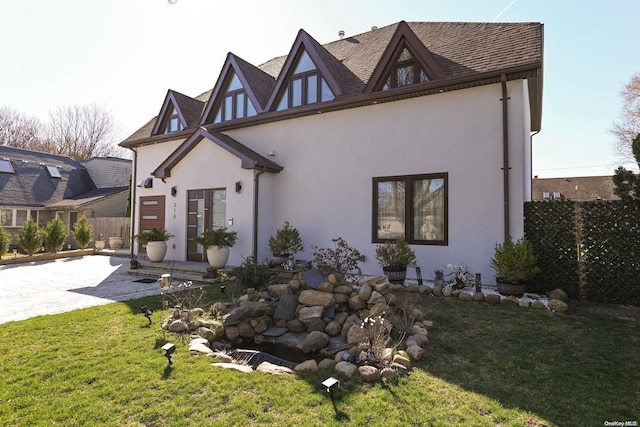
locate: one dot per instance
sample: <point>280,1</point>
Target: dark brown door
<point>151,215</point>
<point>206,209</point>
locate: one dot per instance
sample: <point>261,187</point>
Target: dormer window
<point>174,124</point>
<point>235,103</point>
<point>6,166</point>
<point>53,172</point>
<point>306,86</point>
<point>406,71</point>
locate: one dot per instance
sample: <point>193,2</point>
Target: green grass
<point>485,366</point>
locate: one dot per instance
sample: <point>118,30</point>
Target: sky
<point>126,54</point>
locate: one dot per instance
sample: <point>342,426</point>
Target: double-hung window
<point>413,207</point>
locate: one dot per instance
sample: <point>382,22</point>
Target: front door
<point>206,209</point>
<point>151,216</point>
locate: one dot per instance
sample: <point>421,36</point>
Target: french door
<point>206,209</point>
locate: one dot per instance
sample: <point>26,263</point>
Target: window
<point>21,217</point>
<point>17,217</point>
<point>235,103</point>
<point>60,215</point>
<point>73,218</point>
<point>413,207</point>
<point>53,172</point>
<point>6,217</point>
<point>406,71</point>
<point>6,166</point>
<point>174,124</point>
<point>306,86</point>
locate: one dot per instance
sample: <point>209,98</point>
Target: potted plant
<point>156,243</point>
<point>116,242</point>
<point>285,243</point>
<point>217,242</point>
<point>99,243</point>
<point>514,264</point>
<point>394,257</point>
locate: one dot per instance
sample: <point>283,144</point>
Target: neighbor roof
<point>462,54</point>
<point>32,186</point>
<point>578,189</point>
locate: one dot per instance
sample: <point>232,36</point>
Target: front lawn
<point>485,365</point>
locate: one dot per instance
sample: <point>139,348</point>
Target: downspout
<point>133,199</point>
<point>505,154</point>
<point>256,186</point>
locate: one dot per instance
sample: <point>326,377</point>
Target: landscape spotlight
<point>147,313</point>
<point>169,349</point>
<point>330,383</point>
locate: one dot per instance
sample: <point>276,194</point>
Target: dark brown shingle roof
<point>462,49</point>
<point>577,189</point>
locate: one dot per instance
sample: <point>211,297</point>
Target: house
<point>43,186</point>
<point>577,189</point>
<point>419,130</point>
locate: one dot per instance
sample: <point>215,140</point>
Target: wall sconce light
<point>148,183</point>
<point>174,191</point>
<point>147,312</point>
<point>238,187</point>
<point>330,383</point>
<point>169,349</point>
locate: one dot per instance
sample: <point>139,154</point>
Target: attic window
<point>174,124</point>
<point>406,71</point>
<point>53,172</point>
<point>235,103</point>
<point>6,166</point>
<point>306,86</point>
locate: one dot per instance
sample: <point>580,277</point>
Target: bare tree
<point>83,131</point>
<point>18,130</point>
<point>627,128</point>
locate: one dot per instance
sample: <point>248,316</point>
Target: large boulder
<point>315,341</point>
<point>311,297</point>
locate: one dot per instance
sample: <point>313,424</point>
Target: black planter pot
<point>395,276</point>
<point>278,260</point>
<point>508,288</point>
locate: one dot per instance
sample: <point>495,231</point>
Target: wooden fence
<point>112,226</point>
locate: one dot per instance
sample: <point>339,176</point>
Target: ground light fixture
<point>169,349</point>
<point>331,383</point>
<point>147,313</point>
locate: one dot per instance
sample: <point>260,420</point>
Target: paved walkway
<point>66,284</point>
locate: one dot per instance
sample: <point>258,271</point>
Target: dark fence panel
<point>589,249</point>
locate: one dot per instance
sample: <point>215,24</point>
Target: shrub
<point>343,259</point>
<point>30,237</point>
<point>153,235</point>
<point>395,256</point>
<point>252,274</point>
<point>56,233</point>
<point>287,241</point>
<point>219,237</point>
<point>514,262</point>
<point>5,239</point>
<point>83,232</point>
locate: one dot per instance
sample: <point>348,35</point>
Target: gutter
<point>256,186</point>
<point>133,199</point>
<point>505,155</point>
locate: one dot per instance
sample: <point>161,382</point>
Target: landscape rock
<point>307,314</point>
<point>389,374</point>
<point>559,294</point>
<point>234,366</point>
<point>245,330</point>
<point>307,365</point>
<point>376,298</point>
<point>448,291</point>
<point>277,291</point>
<point>200,347</point>
<point>326,287</point>
<point>326,364</point>
<point>478,296</point>
<point>311,297</point>
<point>538,305</point>
<point>402,360</point>
<point>178,326</point>
<point>509,301</point>
<point>333,328</point>
<point>346,368</point>
<point>296,325</point>
<point>286,308</point>
<point>464,296</point>
<point>356,304</point>
<point>314,341</point>
<point>415,352</point>
<point>343,289</point>
<point>558,305</point>
<point>365,292</point>
<point>231,333</point>
<point>437,290</point>
<point>369,374</point>
<point>493,299</point>
<point>274,369</point>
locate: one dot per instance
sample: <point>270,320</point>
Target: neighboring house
<point>43,186</point>
<point>577,189</point>
<point>417,129</point>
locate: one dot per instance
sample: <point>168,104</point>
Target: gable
<point>178,112</point>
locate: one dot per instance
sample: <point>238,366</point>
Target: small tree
<point>83,232</point>
<point>56,234</point>
<point>343,259</point>
<point>627,184</point>
<point>30,237</point>
<point>5,239</point>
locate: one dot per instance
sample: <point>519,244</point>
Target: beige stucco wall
<point>329,160</point>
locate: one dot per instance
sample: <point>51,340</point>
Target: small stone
<point>357,335</point>
<point>437,290</point>
<point>200,348</point>
<point>307,365</point>
<point>392,298</point>
<point>420,339</point>
<point>369,374</point>
<point>178,325</point>
<point>365,292</point>
<point>296,325</point>
<point>538,305</point>
<point>389,374</point>
<point>315,341</point>
<point>326,287</point>
<point>271,368</point>
<point>478,296</point>
<point>346,368</point>
<point>343,289</point>
<point>401,360</point>
<point>231,333</point>
<point>448,291</point>
<point>333,328</point>
<point>326,364</point>
<point>425,289</point>
<point>311,297</point>
<point>341,298</point>
<point>523,302</point>
<point>280,289</point>
<point>335,278</point>
<point>465,296</point>
<point>376,298</point>
<point>355,303</point>
<point>341,317</point>
<point>493,299</point>
<point>261,326</point>
<point>510,301</point>
<point>294,284</point>
<point>316,325</point>
<point>558,305</point>
<point>415,352</point>
<point>559,294</point>
<point>412,288</point>
<point>245,330</point>
<point>307,314</point>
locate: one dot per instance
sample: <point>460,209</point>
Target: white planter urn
<point>156,251</point>
<point>99,245</point>
<point>217,256</point>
